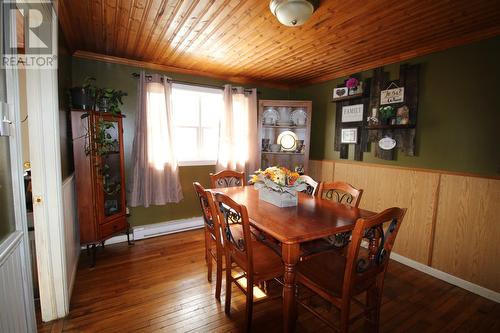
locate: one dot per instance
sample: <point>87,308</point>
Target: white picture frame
<point>352,113</point>
<point>340,92</point>
<point>349,135</point>
<point>392,96</point>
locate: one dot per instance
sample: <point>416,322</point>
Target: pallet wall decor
<point>390,110</point>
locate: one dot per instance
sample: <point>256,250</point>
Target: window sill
<point>195,163</point>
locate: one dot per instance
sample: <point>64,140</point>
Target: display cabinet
<point>99,176</point>
<point>284,134</point>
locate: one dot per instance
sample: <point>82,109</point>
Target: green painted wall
<point>458,117</point>
<point>119,77</point>
<point>459,111</point>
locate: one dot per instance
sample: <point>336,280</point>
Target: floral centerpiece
<point>354,86</point>
<point>278,185</point>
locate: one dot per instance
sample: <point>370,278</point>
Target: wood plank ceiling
<point>241,40</point>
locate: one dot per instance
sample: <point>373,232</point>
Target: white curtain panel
<point>238,148</point>
<point>155,176</point>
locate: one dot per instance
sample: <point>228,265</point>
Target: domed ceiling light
<point>292,13</point>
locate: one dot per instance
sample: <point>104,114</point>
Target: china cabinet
<point>284,134</point>
<point>99,176</point>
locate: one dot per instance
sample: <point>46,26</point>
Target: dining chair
<point>312,185</point>
<point>257,261</point>
<point>340,192</point>
<point>340,278</point>
<point>227,178</point>
<point>213,237</point>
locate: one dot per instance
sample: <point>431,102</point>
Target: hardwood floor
<point>160,284</point>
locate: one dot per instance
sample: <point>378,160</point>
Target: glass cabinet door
<point>111,171</point>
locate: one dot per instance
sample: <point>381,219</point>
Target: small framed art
<point>349,135</point>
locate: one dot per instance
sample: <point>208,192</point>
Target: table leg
<point>290,253</point>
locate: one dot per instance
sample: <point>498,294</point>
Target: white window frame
<point>199,128</point>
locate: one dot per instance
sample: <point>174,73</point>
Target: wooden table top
<point>311,219</point>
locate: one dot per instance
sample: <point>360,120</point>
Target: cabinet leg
<point>88,251</point>
<point>92,260</point>
<point>102,244</point>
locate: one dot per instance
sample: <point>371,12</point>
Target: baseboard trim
<point>160,229</point>
<point>474,288</point>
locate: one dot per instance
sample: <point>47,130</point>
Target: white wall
<point>71,230</point>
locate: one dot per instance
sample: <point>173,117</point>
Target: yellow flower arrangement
<point>277,178</point>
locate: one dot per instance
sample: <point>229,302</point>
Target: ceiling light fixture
<point>292,13</point>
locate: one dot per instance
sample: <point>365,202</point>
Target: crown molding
<point>172,69</point>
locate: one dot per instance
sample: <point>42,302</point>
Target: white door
<point>16,294</point>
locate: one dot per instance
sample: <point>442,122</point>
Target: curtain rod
<point>136,75</point>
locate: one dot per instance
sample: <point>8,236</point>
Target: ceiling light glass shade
<point>292,13</point>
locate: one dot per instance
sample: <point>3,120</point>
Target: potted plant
<point>386,113</point>
<point>110,100</point>
<point>83,97</point>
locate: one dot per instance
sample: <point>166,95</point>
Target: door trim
<point>45,157</point>
<point>19,239</point>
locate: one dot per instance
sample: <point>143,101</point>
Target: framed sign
<point>349,135</point>
<point>340,92</point>
<point>351,113</point>
<point>392,96</point>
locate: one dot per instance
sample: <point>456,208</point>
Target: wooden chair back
<point>379,232</point>
<point>312,185</point>
<point>209,212</point>
<point>340,192</point>
<point>230,214</point>
<point>227,178</point>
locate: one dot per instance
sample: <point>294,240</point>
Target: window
<point>197,112</point>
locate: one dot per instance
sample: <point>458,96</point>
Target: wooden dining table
<point>312,218</point>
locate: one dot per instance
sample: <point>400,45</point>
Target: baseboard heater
<point>165,228</point>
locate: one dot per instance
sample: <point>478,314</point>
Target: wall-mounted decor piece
<point>387,143</point>
<point>403,115</point>
<point>340,92</point>
<point>389,109</point>
<point>392,95</point>
<point>349,135</point>
<point>352,113</point>
<point>401,97</point>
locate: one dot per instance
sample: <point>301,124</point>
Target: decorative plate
<point>287,140</point>
<point>299,116</point>
<point>387,143</point>
<point>270,116</point>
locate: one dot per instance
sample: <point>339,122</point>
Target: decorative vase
<point>280,199</point>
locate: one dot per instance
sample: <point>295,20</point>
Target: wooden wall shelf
<point>346,98</point>
<point>379,127</point>
<point>370,98</point>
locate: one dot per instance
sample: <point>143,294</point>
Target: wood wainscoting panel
<point>321,170</point>
<point>468,230</point>
<point>386,187</point>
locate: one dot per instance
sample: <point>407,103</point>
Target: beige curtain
<point>155,176</point>
<point>238,148</point>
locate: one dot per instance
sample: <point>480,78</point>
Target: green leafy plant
<point>104,143</point>
<point>110,100</point>
<point>386,112</point>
